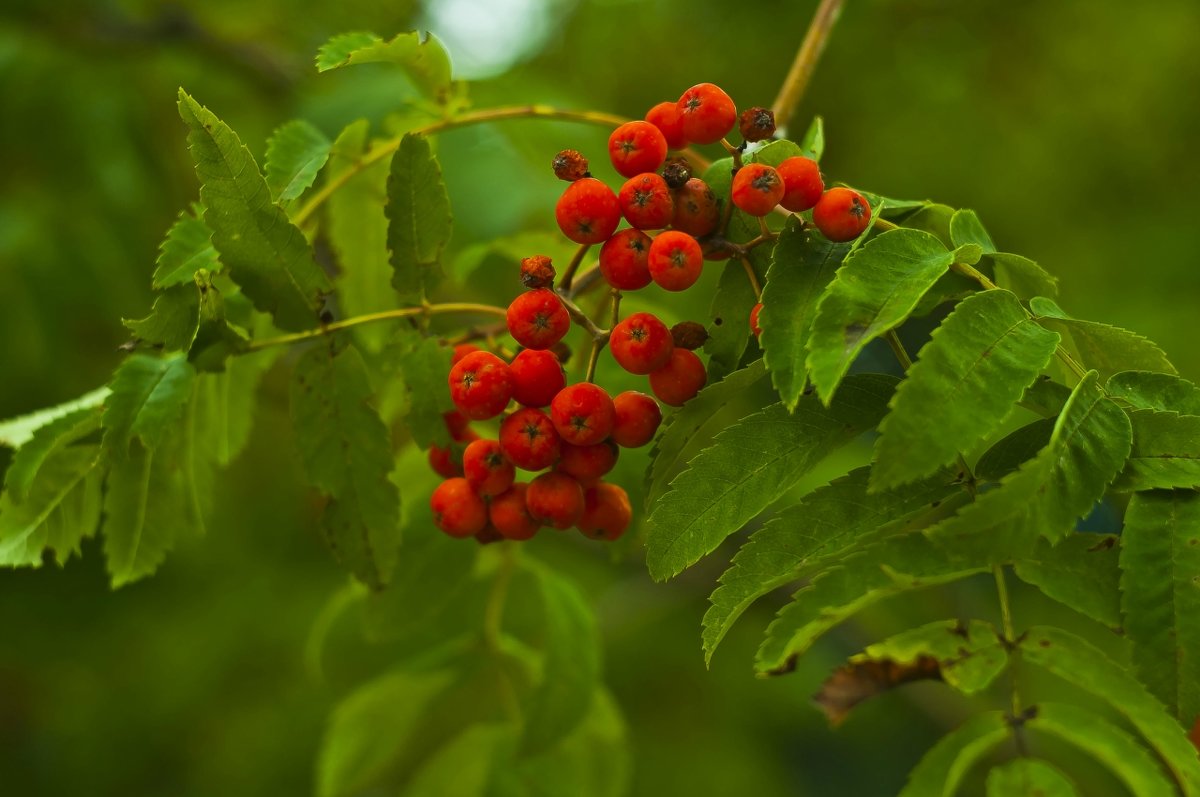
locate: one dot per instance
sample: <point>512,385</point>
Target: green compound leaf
<point>296,152</point>
<point>1014,449</point>
<point>1080,572</point>
<point>827,524</point>
<point>347,455</point>
<point>749,465</point>
<point>802,266</point>
<point>147,401</point>
<point>974,369</point>
<point>422,57</point>
<point>1107,743</point>
<point>45,441</point>
<point>225,404</point>
<point>1166,451</point>
<point>1101,347</point>
<point>1078,661</point>
<point>942,769</point>
<point>173,322</point>
<point>965,228</point>
<point>59,506</point>
<point>263,251</point>
<point>423,364</point>
<point>1047,494</point>
<point>1020,275</point>
<point>967,657</point>
<point>1146,390</point>
<point>186,249</point>
<point>875,289</point>
<point>1160,595</point>
<point>16,432</point>
<point>418,213</point>
<point>1028,777</point>
<point>880,571</point>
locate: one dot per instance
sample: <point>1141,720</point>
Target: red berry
<point>457,510</point>
<point>510,516</point>
<point>802,183</point>
<point>641,343</point>
<point>623,260</point>
<point>754,327</point>
<point>588,211</point>
<point>756,189</point>
<point>462,350</point>
<point>457,424</point>
<point>665,116</point>
<point>582,413</point>
<point>841,214</point>
<point>606,512</point>
<point>555,499</point>
<point>537,319</point>
<point>486,468</point>
<point>529,440</point>
<point>675,260</point>
<point>537,376</point>
<point>443,462</point>
<point>696,210</point>
<point>537,272</point>
<point>480,385</point>
<point>680,379</point>
<point>637,147</point>
<point>646,202</point>
<point>706,113</point>
<point>637,419</point>
<point>588,464</point>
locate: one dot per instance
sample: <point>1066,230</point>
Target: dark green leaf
<point>186,249</point>
<point>422,57</point>
<point>1014,449</point>
<point>749,465</point>
<point>225,404</point>
<point>430,576</point>
<point>173,321</point>
<point>148,396</point>
<point>1099,346</point>
<point>418,213</point>
<point>424,365</point>
<point>1166,451</point>
<point>1028,777</point>
<point>1081,572</point>
<point>1021,275</point>
<point>1146,390</point>
<point>296,152</point>
<point>946,764</point>
<point>965,228</point>
<point>729,328</point>
<point>59,508</point>
<point>263,251</point>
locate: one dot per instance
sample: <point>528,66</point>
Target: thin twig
<point>386,315</point>
<point>805,63</point>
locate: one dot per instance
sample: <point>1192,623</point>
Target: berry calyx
<point>537,376</point>
<point>757,124</point>
<point>537,272</point>
<point>842,214</point>
<point>680,379</point>
<point>555,499</point>
<point>756,189</point>
<point>480,385</point>
<point>707,113</point>
<point>641,343</point>
<point>689,335</point>
<point>802,183</point>
<point>637,417</point>
<point>582,414</point>
<point>457,510</point>
<point>665,116</point>
<point>510,516</point>
<point>537,319</point>
<point>486,468</point>
<point>675,260</point>
<point>623,260</point>
<point>588,464</point>
<point>606,512</point>
<point>588,211</point>
<point>529,440</point>
<point>637,147</point>
<point>754,327</point>
<point>646,202</point>
<point>570,165</point>
<point>696,210</point>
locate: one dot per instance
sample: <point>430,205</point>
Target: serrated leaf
<point>943,768</point>
<point>1147,390</point>
<point>60,506</point>
<point>1021,275</point>
<point>347,455</point>
<point>974,369</point>
<point>46,440</point>
<point>148,397</point>
<point>967,657</point>
<point>812,144</point>
<point>802,266</point>
<point>424,365</point>
<point>686,423</point>
<point>1165,454</point>
<point>226,402</point>
<point>827,524</point>
<point>729,325</point>
<point>776,152</point>
<point>422,56</point>
<point>877,572</point>
<point>749,465</point>
<point>1160,595</point>
<point>172,322</point>
<point>16,432</point>
<point>186,249</point>
<point>1078,661</point>
<point>262,250</point>
<point>1080,572</point>
<point>418,214</point>
<point>875,289</point>
<point>1014,449</point>
<point>965,228</point>
<point>1028,777</point>
<point>296,151</point>
<point>1109,744</point>
<point>1047,494</point>
<point>1101,347</point>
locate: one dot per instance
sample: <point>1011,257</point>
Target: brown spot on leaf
<point>858,681</point>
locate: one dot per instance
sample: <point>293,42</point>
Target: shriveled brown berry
<point>677,171</point>
<point>570,165</point>
<point>537,272</point>
<point>757,124</point>
<point>689,335</point>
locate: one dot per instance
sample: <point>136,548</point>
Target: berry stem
<point>585,281</point>
<point>736,152</point>
<point>403,312</point>
<point>599,341</point>
<point>581,318</point>
<point>564,283</point>
<point>805,63</point>
<point>752,277</point>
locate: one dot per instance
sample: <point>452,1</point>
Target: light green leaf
<point>1109,744</point>
<point>776,152</point>
<point>965,228</point>
<point>802,267</point>
<point>1047,494</point>
<point>418,213</point>
<point>946,764</point>
<point>974,369</point>
<point>1046,397</point>
<point>749,465</point>
<point>1028,777</point>
<point>263,251</point>
<point>422,57</point>
<point>296,152</point>
<point>812,144</point>
<point>827,524</point>
<point>1160,595</point>
<point>186,249</point>
<point>148,397</point>
<point>46,440</point>
<point>1021,275</point>
<point>173,321</point>
<point>463,767</point>
<point>1014,449</point>
<point>1165,454</point>
<point>424,365</point>
<point>226,403</point>
<point>1146,390</point>
<point>1081,572</point>
<point>59,508</point>
<point>347,454</point>
<point>16,432</point>
<point>875,289</point>
<point>1078,661</point>
<point>1101,347</point>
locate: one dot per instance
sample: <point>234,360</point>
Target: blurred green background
<point>1070,126</point>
